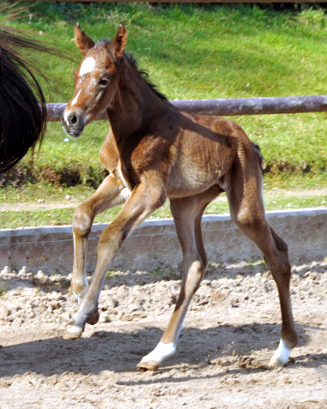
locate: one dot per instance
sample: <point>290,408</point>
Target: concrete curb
<point>155,243</point>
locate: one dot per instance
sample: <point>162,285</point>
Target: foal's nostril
<point>72,119</point>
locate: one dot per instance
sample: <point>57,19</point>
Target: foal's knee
<point>82,220</point>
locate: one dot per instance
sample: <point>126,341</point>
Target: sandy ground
<point>230,333</point>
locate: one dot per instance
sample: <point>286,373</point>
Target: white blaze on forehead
<point>87,66</point>
<point>65,116</point>
<point>76,98</point>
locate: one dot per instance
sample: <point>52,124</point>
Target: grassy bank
<point>190,52</point>
<point>39,205</point>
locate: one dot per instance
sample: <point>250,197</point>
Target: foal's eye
<point>103,82</point>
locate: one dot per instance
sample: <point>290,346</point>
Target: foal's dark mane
<point>143,73</point>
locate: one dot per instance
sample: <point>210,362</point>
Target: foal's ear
<point>82,40</point>
<point>118,43</point>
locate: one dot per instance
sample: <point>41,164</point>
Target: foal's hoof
<point>94,318</point>
<point>281,355</point>
<point>161,352</point>
<point>275,362</point>
<point>72,331</point>
<point>147,366</point>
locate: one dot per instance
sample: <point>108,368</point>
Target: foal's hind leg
<point>110,193</point>
<point>248,213</point>
<point>187,214</point>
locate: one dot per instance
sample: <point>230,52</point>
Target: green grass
<point>275,199</point>
<point>196,52</point>
<point>190,52</point>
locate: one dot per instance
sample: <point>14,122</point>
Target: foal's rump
<point>230,140</point>
<point>246,152</point>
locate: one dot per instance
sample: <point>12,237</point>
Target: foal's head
<point>94,79</point>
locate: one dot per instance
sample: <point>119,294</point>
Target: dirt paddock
<point>228,338</point>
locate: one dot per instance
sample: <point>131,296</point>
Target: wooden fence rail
<point>230,107</point>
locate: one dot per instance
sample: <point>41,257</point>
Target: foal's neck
<point>134,102</point>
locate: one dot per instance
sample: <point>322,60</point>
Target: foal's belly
<point>183,183</point>
<point>200,164</point>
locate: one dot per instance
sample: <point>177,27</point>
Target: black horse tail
<point>22,103</point>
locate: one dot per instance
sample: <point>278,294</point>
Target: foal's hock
<point>154,151</point>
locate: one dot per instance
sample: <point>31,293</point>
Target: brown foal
<point>154,151</point>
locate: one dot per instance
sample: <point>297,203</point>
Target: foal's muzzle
<point>73,124</point>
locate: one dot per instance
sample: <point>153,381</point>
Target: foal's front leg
<point>110,193</point>
<point>142,202</point>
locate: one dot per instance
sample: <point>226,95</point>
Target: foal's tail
<point>259,155</point>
